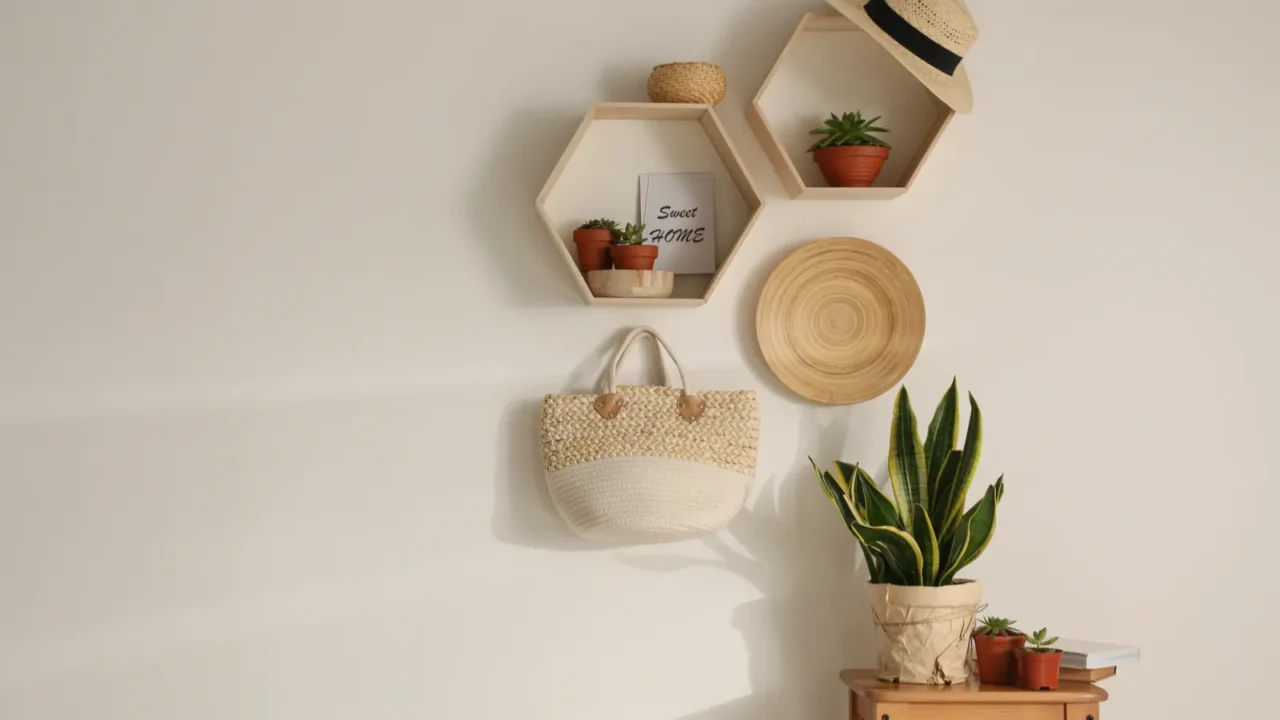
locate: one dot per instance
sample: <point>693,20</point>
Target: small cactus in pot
<point>997,642</point>
<point>1040,664</point>
<point>630,252</point>
<point>593,239</point>
<point>849,154</point>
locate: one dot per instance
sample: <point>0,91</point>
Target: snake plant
<point>922,535</point>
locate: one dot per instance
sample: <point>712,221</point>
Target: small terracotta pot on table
<point>593,248</point>
<point>634,257</point>
<point>851,165</point>
<point>997,659</point>
<point>1038,671</point>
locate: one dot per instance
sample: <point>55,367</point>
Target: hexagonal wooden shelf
<point>599,176</point>
<point>830,65</point>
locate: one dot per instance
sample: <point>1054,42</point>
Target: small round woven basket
<point>687,82</point>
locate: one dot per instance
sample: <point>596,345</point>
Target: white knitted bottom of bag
<point>646,499</point>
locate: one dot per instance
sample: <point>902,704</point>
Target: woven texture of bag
<point>687,82</point>
<point>627,465</point>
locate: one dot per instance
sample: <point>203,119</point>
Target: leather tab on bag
<point>691,407</point>
<point>608,405</point>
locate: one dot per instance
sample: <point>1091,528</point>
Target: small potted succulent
<point>593,239</point>
<point>629,250</point>
<point>998,641</point>
<point>1039,664</point>
<point>849,154</point>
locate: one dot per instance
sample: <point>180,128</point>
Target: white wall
<point>276,315</point>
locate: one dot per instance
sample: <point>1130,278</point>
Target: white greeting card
<point>679,214</point>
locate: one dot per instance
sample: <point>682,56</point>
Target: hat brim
<point>954,90</point>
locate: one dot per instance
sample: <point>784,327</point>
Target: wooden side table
<point>872,699</point>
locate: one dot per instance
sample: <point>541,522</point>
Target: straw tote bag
<point>648,463</point>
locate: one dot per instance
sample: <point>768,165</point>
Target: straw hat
<point>840,321</point>
<point>929,37</point>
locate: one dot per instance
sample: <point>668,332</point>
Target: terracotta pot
<point>634,257</point>
<point>997,662</point>
<point>1038,671</point>
<point>851,165</point>
<point>593,249</point>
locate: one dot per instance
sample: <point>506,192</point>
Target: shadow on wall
<point>812,618</point>
<point>748,338</point>
<point>500,206</point>
<point>748,48</point>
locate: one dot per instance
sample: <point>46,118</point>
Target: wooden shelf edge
<point>865,684</point>
<point>648,302</point>
<point>839,193</point>
<point>648,111</point>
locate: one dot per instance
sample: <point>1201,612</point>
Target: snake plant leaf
<point>829,487</point>
<point>875,566</point>
<point>834,493</point>
<point>859,498</point>
<point>928,544</point>
<point>888,573</point>
<point>875,563</point>
<point>940,510</point>
<point>941,438</point>
<point>880,510</point>
<point>999,489</point>
<point>979,524</point>
<point>953,549</point>
<point>897,548</point>
<point>906,460</point>
<point>951,497</point>
<point>844,476</point>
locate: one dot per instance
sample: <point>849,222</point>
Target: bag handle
<point>611,377</point>
<point>610,403</point>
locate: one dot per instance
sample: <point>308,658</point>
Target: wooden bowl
<point>631,283</point>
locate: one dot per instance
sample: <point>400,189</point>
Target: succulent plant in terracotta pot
<point>849,154</point>
<point>593,239</point>
<point>630,252</point>
<point>997,641</point>
<point>1038,665</point>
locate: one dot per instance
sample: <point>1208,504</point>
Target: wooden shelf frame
<point>785,167</point>
<point>705,117</point>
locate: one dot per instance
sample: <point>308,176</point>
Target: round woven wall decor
<point>840,321</point>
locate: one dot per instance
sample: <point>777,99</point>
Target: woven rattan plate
<point>840,321</point>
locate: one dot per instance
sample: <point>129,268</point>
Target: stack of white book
<point>1089,655</point>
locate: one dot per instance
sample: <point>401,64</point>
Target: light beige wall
<point>276,312</point>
